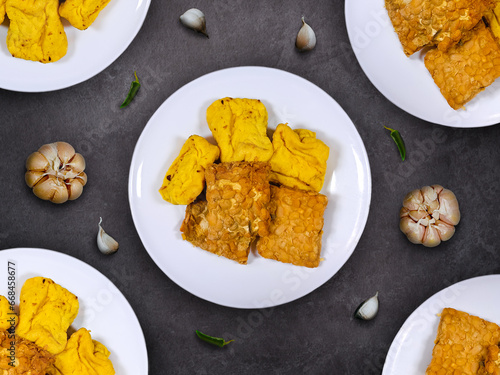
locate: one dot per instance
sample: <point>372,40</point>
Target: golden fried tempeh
<point>467,68</point>
<point>465,344</point>
<point>296,227</point>
<point>438,22</point>
<point>81,13</point>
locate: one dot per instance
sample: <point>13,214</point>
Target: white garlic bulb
<point>195,19</point>
<point>106,243</point>
<point>306,38</point>
<point>429,215</point>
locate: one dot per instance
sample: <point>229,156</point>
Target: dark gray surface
<point>317,333</point>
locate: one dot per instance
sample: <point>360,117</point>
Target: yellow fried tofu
<point>492,17</point>
<point>83,356</point>
<point>2,10</point>
<point>46,310</point>
<point>81,13</point>
<point>465,344</point>
<point>185,179</point>
<point>299,159</point>
<point>240,128</point>
<point>36,32</point>
<point>8,318</point>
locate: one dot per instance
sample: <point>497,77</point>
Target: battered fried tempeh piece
<point>30,358</point>
<point>296,227</point>
<point>465,344</point>
<point>467,68</point>
<point>81,13</point>
<point>36,32</point>
<point>438,22</point>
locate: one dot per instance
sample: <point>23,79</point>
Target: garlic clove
<point>32,177</point>
<point>306,38</point>
<point>75,189</point>
<point>64,151</point>
<point>448,209</point>
<point>414,231</point>
<point>106,243</point>
<point>37,162</point>
<point>368,309</point>
<point>431,237</point>
<point>413,200</point>
<point>50,188</point>
<point>446,231</point>
<point>195,20</point>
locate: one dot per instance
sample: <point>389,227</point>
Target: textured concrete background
<point>317,333</point>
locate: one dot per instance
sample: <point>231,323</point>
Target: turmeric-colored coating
<point>2,10</point>
<point>299,158</point>
<point>466,345</point>
<point>81,13</point>
<point>8,318</point>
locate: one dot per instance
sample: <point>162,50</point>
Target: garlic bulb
<point>368,309</point>
<point>105,242</point>
<point>306,38</point>
<point>55,172</point>
<point>429,215</point>
<point>195,19</point>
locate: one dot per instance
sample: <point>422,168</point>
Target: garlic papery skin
<point>106,243</point>
<point>195,19</point>
<point>56,172</point>
<point>429,215</point>
<point>306,38</point>
<point>368,309</point>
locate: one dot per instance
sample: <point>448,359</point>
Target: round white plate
<point>262,282</point>
<point>405,81</point>
<point>411,350</point>
<point>103,309</point>
<point>89,51</point>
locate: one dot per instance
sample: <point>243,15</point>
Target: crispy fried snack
<point>492,18</point>
<point>235,212</point>
<point>239,127</point>
<point>437,22</point>
<point>296,227</point>
<point>185,179</point>
<point>30,359</point>
<point>299,158</point>
<point>2,10</point>
<point>46,310</point>
<point>465,344</point>
<point>467,68</point>
<point>7,315</point>
<point>82,356</point>
<point>81,13</point>
<point>35,32</point>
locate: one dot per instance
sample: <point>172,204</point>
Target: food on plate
<point>419,23</point>
<point>56,172</point>
<point>429,215</point>
<point>240,128</point>
<point>2,10</point>
<point>492,19</point>
<point>195,20</point>
<point>465,344</point>
<point>81,13</point>
<point>296,227</point>
<point>8,318</point>
<point>35,31</point>
<point>82,356</point>
<point>46,310</point>
<point>235,213</point>
<point>368,309</point>
<point>466,68</point>
<point>29,359</point>
<point>185,179</point>
<point>299,158</point>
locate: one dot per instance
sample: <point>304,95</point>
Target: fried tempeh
<point>296,227</point>
<point>465,344</point>
<point>467,68</point>
<point>434,22</point>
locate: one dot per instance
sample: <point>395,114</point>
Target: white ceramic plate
<point>89,51</point>
<point>405,81</point>
<point>262,282</point>
<point>103,309</point>
<point>411,350</point>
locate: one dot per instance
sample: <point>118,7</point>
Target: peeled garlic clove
<point>195,19</point>
<point>306,38</point>
<point>105,243</point>
<point>368,309</point>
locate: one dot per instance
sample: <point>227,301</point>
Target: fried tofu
<point>46,310</point>
<point>30,359</point>
<point>465,344</point>
<point>296,227</point>
<point>240,128</point>
<point>299,159</point>
<point>81,13</point>
<point>8,318</point>
<point>36,32</point>
<point>82,356</point>
<point>2,10</point>
<point>236,210</point>
<point>185,179</point>
<point>419,23</point>
<point>467,68</point>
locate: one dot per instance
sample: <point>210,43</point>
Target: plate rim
<point>132,178</point>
